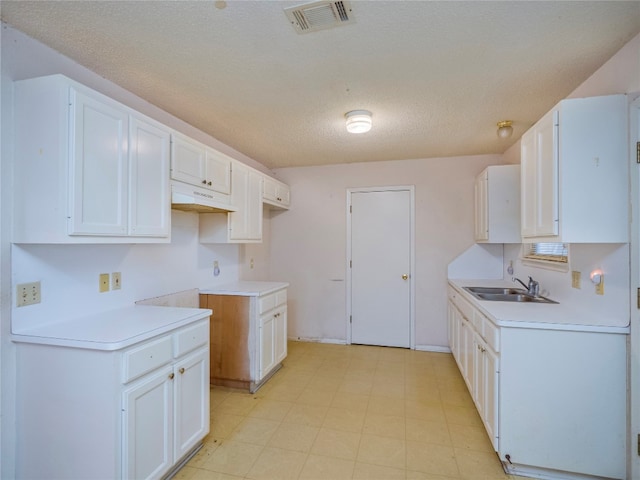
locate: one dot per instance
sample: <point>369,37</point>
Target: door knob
<point>405,276</point>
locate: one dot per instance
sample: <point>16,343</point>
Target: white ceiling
<point>437,76</point>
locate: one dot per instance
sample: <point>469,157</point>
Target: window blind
<point>549,252</point>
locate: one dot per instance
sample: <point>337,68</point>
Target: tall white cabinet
<point>574,175</point>
<point>100,170</point>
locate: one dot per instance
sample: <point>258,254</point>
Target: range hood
<point>190,198</point>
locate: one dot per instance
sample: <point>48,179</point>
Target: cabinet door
<point>283,194</point>
<point>147,412</point>
<point>150,207</point>
<point>266,345</point>
<point>246,192</point>
<point>191,395</point>
<point>187,161</point>
<point>254,206</point>
<point>485,386</point>
<point>547,174</point>
<point>528,193</point>
<point>491,380</point>
<point>269,189</point>
<point>280,335</point>
<point>218,172</point>
<point>98,167</point>
<point>239,187</point>
<point>454,319</point>
<point>481,204</point>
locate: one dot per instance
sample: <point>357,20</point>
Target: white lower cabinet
<point>553,401</point>
<point>273,340</point>
<point>134,413</point>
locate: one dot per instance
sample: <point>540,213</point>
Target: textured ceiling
<point>436,75</point>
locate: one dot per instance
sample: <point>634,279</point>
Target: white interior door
<point>381,237</point>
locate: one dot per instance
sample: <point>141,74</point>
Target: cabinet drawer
<point>191,338</point>
<point>465,308</point>
<point>271,301</point>
<point>147,357</point>
<point>281,297</point>
<point>488,331</point>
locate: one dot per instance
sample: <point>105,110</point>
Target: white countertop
<point>560,316</point>
<point>114,329</point>
<point>245,288</point>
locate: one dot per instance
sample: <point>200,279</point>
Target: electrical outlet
<point>575,279</point>
<point>103,282</point>
<point>251,263</point>
<point>27,294</point>
<point>216,268</point>
<point>116,281</point>
<point>600,286</point>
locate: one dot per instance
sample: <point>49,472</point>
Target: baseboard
<point>422,348</point>
<point>318,340</point>
<point>433,348</point>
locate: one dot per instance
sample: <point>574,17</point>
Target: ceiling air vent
<point>319,15</point>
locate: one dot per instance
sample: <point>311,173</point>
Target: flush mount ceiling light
<point>505,129</point>
<point>358,121</point>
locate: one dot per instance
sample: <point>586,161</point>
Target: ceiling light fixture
<point>505,130</point>
<point>358,121</point>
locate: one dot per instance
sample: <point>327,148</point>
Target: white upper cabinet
<point>196,164</point>
<point>574,173</point>
<point>87,169</point>
<point>497,205</point>
<point>148,168</point>
<point>245,224</point>
<point>98,163</point>
<point>276,193</point>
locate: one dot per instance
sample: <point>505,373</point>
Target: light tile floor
<point>349,412</point>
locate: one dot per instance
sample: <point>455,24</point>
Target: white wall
<point>309,242</point>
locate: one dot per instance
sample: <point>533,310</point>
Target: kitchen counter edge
<point>113,329</point>
<point>245,288</point>
<point>517,315</point>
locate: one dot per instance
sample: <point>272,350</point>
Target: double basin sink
<point>499,294</point>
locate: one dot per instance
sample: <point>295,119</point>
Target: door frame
<point>633,408</point>
<point>412,285</point>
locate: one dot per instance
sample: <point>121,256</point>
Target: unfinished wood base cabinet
<point>248,337</point>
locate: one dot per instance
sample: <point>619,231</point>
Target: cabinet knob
<point>405,276</point>
<point>171,375</point>
<point>181,370</point>
<point>209,183</point>
<point>204,182</point>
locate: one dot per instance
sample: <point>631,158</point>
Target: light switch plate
<point>27,294</point>
<point>575,279</point>
<point>116,281</point>
<point>103,282</point>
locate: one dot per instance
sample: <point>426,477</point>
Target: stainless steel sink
<point>496,290</point>
<point>497,294</point>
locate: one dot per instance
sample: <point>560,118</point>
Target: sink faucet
<point>533,288</point>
